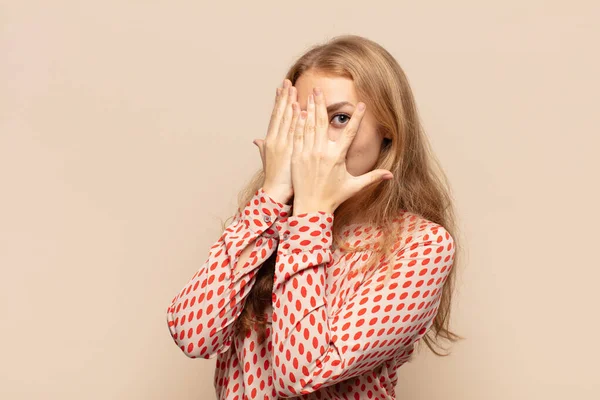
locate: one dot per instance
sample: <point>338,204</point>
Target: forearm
<point>201,316</point>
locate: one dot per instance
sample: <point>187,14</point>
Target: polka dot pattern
<point>200,318</point>
<point>336,332</point>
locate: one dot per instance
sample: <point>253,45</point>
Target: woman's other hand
<point>276,148</point>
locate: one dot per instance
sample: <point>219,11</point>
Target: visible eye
<point>345,118</point>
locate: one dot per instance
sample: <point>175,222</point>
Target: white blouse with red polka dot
<point>335,332</point>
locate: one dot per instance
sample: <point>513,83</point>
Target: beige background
<point>126,131</point>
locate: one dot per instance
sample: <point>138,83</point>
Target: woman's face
<point>364,149</point>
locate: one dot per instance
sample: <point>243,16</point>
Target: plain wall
<point>126,132</point>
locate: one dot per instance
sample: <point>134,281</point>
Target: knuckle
<point>280,147</point>
<point>289,113</point>
<point>285,119</point>
<point>274,117</point>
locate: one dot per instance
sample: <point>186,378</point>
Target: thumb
<point>260,144</point>
<point>371,177</point>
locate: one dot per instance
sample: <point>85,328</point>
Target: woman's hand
<point>320,179</point>
<point>276,148</point>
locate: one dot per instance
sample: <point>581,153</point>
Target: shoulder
<point>411,228</point>
<point>405,230</point>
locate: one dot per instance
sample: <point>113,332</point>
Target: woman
<point>340,257</point>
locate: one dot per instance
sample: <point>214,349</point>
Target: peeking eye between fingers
<point>345,119</point>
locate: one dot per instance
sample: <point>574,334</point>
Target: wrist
<point>279,195</point>
<point>299,208</point>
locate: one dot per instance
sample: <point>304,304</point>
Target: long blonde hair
<point>419,184</point>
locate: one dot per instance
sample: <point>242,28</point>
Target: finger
<point>278,110</point>
<point>309,125</point>
<point>299,133</point>
<point>288,116</point>
<point>321,120</point>
<point>295,117</point>
<point>274,113</point>
<point>351,129</point>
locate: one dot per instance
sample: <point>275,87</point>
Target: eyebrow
<point>335,106</point>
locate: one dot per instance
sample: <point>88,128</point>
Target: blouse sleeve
<point>381,320</point>
<point>202,315</point>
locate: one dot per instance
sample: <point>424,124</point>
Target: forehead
<point>335,88</point>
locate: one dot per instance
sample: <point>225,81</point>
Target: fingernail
<point>317,91</point>
<point>361,106</point>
